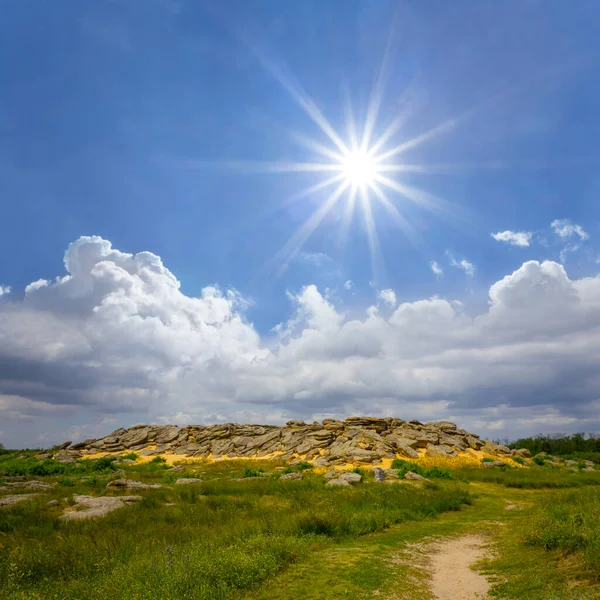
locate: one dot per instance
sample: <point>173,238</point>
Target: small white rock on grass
<point>10,500</point>
<point>97,507</point>
<point>187,480</point>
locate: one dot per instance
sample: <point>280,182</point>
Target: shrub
<point>517,459</point>
<point>404,466</point>
<point>158,460</point>
<point>487,459</point>
<point>539,460</point>
<point>132,456</point>
<point>248,472</point>
<point>303,466</point>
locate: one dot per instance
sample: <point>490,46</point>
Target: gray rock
<point>493,463</point>
<point>333,474</point>
<point>10,500</point>
<point>414,476</point>
<point>177,469</point>
<point>53,503</point>
<point>96,507</point>
<point>188,480</point>
<point>351,477</point>
<point>30,485</point>
<point>131,484</point>
<point>522,452</point>
<point>379,474</point>
<point>292,476</point>
<point>339,481</point>
<point>391,474</point>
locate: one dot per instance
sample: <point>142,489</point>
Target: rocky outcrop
<point>331,442</point>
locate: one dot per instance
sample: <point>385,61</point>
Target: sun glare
<point>360,172</point>
<point>359,169</point>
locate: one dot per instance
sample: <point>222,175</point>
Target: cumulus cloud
<point>435,267</point>
<point>116,338</point>
<point>4,290</point>
<point>388,297</point>
<point>349,285</point>
<point>514,238</point>
<point>465,265</point>
<point>564,229</point>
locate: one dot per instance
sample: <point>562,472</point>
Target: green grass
<point>210,540</point>
<point>404,466</point>
<point>531,478</point>
<point>569,522</point>
<point>10,465</point>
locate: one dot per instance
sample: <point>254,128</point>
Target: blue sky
<point>144,123</point>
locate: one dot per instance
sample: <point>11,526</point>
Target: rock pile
<point>332,442</point>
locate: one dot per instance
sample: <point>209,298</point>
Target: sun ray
<point>350,122</point>
<point>421,198</point>
<point>302,99</point>
<point>397,215</point>
<point>316,147</point>
<point>444,127</point>
<point>377,93</point>
<point>253,166</point>
<point>293,245</point>
<point>347,217</point>
<point>313,189</point>
<point>372,239</point>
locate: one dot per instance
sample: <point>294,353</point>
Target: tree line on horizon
<point>560,444</point>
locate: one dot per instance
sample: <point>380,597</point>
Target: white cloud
<point>564,229</point>
<point>116,338</point>
<point>316,258</point>
<point>514,238</point>
<point>349,284</point>
<point>435,267</point>
<point>465,265</point>
<point>4,290</point>
<point>36,285</point>
<point>388,297</point>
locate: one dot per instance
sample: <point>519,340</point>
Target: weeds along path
<point>476,553</point>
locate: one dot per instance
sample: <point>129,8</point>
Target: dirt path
<point>452,577</point>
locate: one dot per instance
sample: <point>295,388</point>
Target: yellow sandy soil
<point>470,458</point>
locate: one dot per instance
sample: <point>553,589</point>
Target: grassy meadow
<point>243,532</point>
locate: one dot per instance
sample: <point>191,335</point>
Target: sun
<point>359,169</point>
